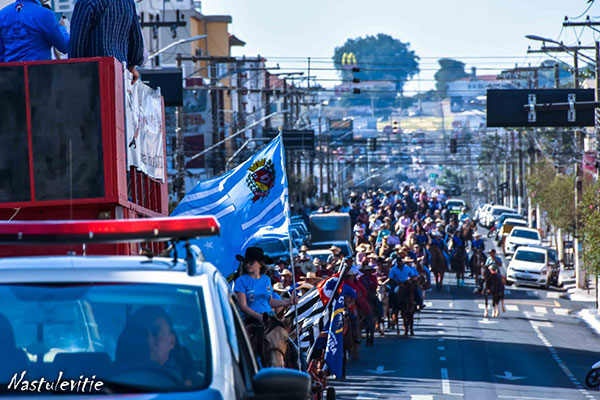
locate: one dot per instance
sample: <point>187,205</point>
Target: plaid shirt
<point>106,28</point>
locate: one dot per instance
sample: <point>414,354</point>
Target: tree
<point>379,58</point>
<point>450,70</point>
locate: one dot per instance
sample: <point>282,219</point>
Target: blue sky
<point>491,30</point>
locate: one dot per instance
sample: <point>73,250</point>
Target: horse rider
<point>494,264</point>
<point>254,290</point>
<point>402,272</point>
<point>477,244</point>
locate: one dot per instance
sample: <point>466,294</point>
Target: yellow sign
<point>348,59</point>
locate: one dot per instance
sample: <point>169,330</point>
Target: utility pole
<point>521,195</point>
<point>179,182</point>
<point>505,189</point>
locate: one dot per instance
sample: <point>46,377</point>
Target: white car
<point>521,236</point>
<point>110,320</point>
<point>455,205</point>
<point>483,213</point>
<point>533,265</point>
<point>494,213</point>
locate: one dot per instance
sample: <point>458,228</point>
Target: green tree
<point>379,58</point>
<point>450,70</point>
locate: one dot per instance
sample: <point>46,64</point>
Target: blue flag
<point>334,351</point>
<point>248,201</point>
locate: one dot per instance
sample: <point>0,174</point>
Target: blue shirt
<point>106,28</point>
<point>477,244</point>
<point>258,292</point>
<point>28,32</point>
<point>402,275</point>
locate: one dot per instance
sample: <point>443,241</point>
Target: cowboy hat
<point>303,248</point>
<point>255,254</point>
<point>278,287</point>
<point>436,233</point>
<point>305,285</point>
<point>312,275</point>
<point>285,272</point>
<point>408,260</point>
<point>318,262</point>
<point>363,247</point>
<point>477,234</point>
<point>307,267</point>
<point>335,249</point>
<point>428,220</point>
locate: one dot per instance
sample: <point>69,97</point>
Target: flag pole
<point>291,258</point>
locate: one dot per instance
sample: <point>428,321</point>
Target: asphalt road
<point>538,349</point>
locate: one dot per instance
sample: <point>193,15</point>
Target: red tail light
<point>108,231</point>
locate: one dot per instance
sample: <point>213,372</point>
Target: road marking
<point>441,332</point>
<point>553,295</point>
<point>379,371</point>
<point>526,398</point>
<point>487,321</point>
<point>441,348</point>
<point>556,357</point>
<point>561,311</point>
<point>481,306</point>
<point>442,358</point>
<point>428,304</point>
<point>440,311</point>
<point>451,305</point>
<point>540,310</point>
<point>512,307</point>
<point>510,377</point>
<point>421,397</point>
<point>440,324</point>
<point>445,381</point>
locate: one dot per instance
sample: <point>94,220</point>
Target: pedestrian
<point>28,31</point>
<point>107,28</point>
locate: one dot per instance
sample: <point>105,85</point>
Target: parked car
<point>502,218</point>
<point>484,213</point>
<point>521,237</point>
<point>495,213</point>
<point>507,227</point>
<point>277,247</point>
<point>534,265</point>
<point>344,245</point>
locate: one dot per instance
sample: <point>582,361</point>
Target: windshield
<point>455,203</point>
<point>526,234</point>
<point>324,245</point>
<point>500,211</point>
<point>504,217</point>
<point>273,246</point>
<point>530,256</point>
<point>128,337</point>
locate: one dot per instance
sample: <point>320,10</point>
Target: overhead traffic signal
<point>395,127</point>
<point>453,146</point>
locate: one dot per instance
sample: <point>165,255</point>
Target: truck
<point>330,227</point>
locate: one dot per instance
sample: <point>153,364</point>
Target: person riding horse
<point>254,291</point>
<point>400,273</point>
<point>494,263</point>
<point>458,258</point>
<point>476,259</point>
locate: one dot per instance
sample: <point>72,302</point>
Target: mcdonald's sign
<point>348,60</point>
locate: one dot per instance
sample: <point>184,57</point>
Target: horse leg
<point>405,322</point>
<point>412,323</point>
<point>441,279</point>
<point>485,313</point>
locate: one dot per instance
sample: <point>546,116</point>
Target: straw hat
<point>285,272</point>
<point>408,260</point>
<point>477,234</point>
<point>313,276</point>
<point>363,247</point>
<point>278,287</point>
<point>335,249</point>
<point>305,285</point>
<point>303,248</point>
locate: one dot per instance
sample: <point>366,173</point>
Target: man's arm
<point>135,51</point>
<point>55,33</point>
<point>81,24</point>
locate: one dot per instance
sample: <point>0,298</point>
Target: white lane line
<point>421,397</point>
<point>553,295</point>
<point>540,310</point>
<point>560,311</point>
<point>441,348</point>
<point>481,306</point>
<point>451,305</point>
<point>441,332</point>
<point>428,303</point>
<point>512,307</point>
<point>440,324</point>
<point>440,311</point>
<point>526,398</point>
<point>555,356</point>
<point>445,381</point>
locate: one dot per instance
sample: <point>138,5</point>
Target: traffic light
<point>371,144</point>
<point>453,146</point>
<point>395,127</point>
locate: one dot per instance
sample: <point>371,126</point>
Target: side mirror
<point>279,383</point>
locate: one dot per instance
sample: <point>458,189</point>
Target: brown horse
<point>270,340</point>
<point>405,297</point>
<point>477,263</point>
<point>438,265</point>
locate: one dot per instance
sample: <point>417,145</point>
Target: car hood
<point>526,266</point>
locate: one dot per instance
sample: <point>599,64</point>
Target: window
<point>520,233</point>
<point>530,256</point>
<point>111,330</point>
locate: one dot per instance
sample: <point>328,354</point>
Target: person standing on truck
<point>107,28</point>
<point>28,32</point>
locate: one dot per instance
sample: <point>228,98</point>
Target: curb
<point>590,319</point>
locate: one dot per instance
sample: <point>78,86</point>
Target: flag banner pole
<point>287,220</point>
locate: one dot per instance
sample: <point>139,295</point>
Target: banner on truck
<point>144,126</point>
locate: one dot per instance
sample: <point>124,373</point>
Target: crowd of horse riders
<point>400,239</point>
